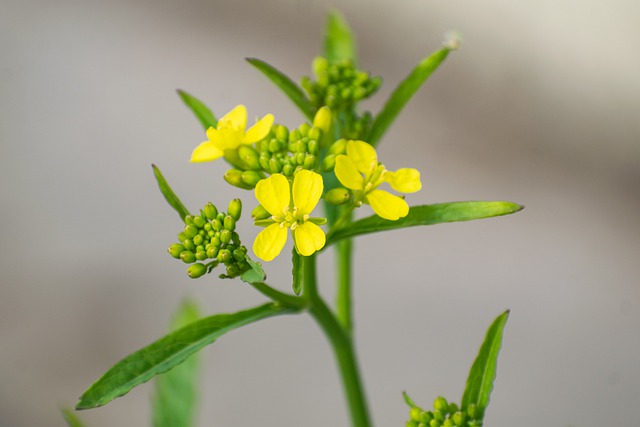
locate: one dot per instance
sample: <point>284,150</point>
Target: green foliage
<point>339,43</point>
<point>169,352</point>
<point>168,194</point>
<point>71,418</point>
<point>255,274</point>
<point>298,272</point>
<point>403,93</point>
<point>483,371</point>
<point>175,397</point>
<point>426,215</point>
<point>291,89</point>
<point>201,111</point>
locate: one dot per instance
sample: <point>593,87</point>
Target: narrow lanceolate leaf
<point>72,419</point>
<point>297,271</point>
<point>168,193</point>
<point>202,112</point>
<point>403,93</point>
<point>426,215</point>
<point>339,43</point>
<point>169,352</point>
<point>286,85</point>
<point>483,371</point>
<point>174,399</point>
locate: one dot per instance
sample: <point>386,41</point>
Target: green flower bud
<point>229,223</point>
<point>435,423</point>
<point>188,219</point>
<point>441,404</point>
<point>175,250</point>
<point>288,170</point>
<point>439,415</point>
<point>188,257</point>
<point>191,231</point>
<point>337,196</point>
<point>447,423</point>
<point>234,177</point>
<point>235,209</point>
<point>295,135</point>
<point>224,255</point>
<point>216,224</point>
<point>281,132</point>
<point>234,159</point>
<point>322,120</point>
<point>216,242</point>
<point>309,162</point>
<point>210,211</point>
<point>304,129</point>
<point>426,417</point>
<point>320,65</point>
<point>312,146</point>
<point>472,411</point>
<point>414,414</point>
<point>189,245</point>
<point>453,408</point>
<point>459,418</point>
<point>275,146</point>
<point>182,237</point>
<point>264,161</point>
<point>225,236</point>
<point>235,238</point>
<point>338,147</point>
<point>329,162</point>
<point>199,221</point>
<point>197,270</point>
<point>274,166</point>
<point>197,240</point>
<point>422,425</point>
<point>201,255</point>
<point>249,157</point>
<point>239,254</point>
<point>251,178</point>
<point>259,212</point>
<point>233,270</point>
<point>212,252</point>
<point>411,424</point>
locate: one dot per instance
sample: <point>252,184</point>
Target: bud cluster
<point>339,85</point>
<point>212,236</point>
<point>282,151</point>
<point>444,414</point>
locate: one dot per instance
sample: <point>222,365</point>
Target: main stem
<point>342,345</point>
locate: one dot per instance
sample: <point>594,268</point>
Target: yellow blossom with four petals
<point>290,207</point>
<point>360,171</point>
<point>230,133</point>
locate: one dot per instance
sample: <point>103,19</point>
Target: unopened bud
<point>472,411</point>
<point>210,211</point>
<point>426,417</point>
<point>438,415</point>
<point>304,129</point>
<point>459,418</point>
<point>189,245</point>
<point>251,178</point>
<point>188,257</point>
<point>281,132</point>
<point>225,236</point>
<point>312,146</point>
<point>453,408</point>
<point>441,404</point>
<point>229,223</point>
<point>201,255</point>
<point>199,221</point>
<point>322,120</point>
<point>190,231</point>
<point>435,423</point>
<point>235,209</point>
<point>197,270</point>
<point>175,250</point>
<point>259,212</point>
<point>414,414</point>
<point>447,423</point>
<point>320,65</point>
<point>212,252</point>
<point>329,162</point>
<point>224,255</point>
<point>274,166</point>
<point>197,240</point>
<point>337,196</point>
<point>234,177</point>
<point>338,147</point>
<point>249,156</point>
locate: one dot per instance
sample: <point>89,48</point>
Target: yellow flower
<point>230,134</point>
<point>360,171</point>
<point>275,194</point>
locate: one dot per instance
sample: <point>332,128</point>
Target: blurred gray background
<point>540,106</point>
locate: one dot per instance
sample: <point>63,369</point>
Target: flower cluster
<point>444,414</point>
<point>212,236</point>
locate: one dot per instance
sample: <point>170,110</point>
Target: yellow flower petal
<point>309,238</point>
<point>234,119</point>
<point>258,131</point>
<point>406,180</point>
<point>269,242</point>
<point>273,194</point>
<point>205,152</point>
<point>347,173</point>
<point>363,155</point>
<point>307,190</point>
<point>386,205</point>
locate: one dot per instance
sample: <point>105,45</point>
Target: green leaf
<point>426,215</point>
<point>292,90</point>
<point>483,371</point>
<point>175,397</point>
<point>202,112</point>
<point>298,272</point>
<point>255,274</point>
<point>408,400</point>
<point>339,43</point>
<point>71,418</point>
<point>168,193</point>
<point>169,352</point>
<point>403,93</point>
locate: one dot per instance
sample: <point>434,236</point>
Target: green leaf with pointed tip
<point>255,275</point>
<point>403,93</point>
<point>71,418</point>
<point>169,352</point>
<point>286,85</point>
<point>202,112</point>
<point>175,397</point>
<point>168,193</point>
<point>339,43</point>
<point>426,215</point>
<point>298,272</point>
<point>408,400</point>
<point>483,371</point>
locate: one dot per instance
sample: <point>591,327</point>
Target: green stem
<point>281,297</point>
<point>342,345</point>
<point>344,250</point>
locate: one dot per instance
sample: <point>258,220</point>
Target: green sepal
<point>255,274</point>
<point>168,352</point>
<point>286,85</point>
<point>403,93</point>
<point>169,195</point>
<point>483,370</point>
<point>71,418</point>
<point>426,215</point>
<point>201,111</point>
<point>408,400</point>
<point>298,272</point>
<point>174,399</point>
<point>339,43</point>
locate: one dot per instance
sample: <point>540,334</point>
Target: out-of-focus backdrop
<point>540,106</point>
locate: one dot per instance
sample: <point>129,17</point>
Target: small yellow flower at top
<point>275,194</point>
<point>230,133</point>
<point>360,171</point>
